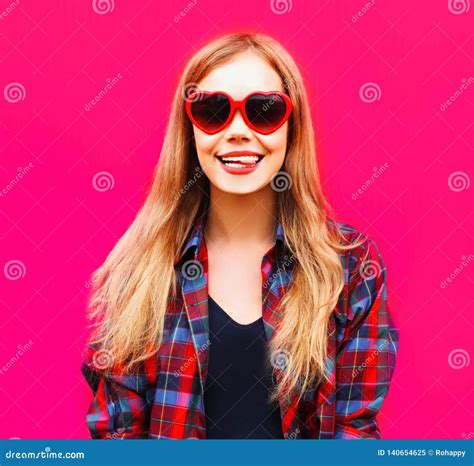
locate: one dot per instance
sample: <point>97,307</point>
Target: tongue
<point>242,162</point>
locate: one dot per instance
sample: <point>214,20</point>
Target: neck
<point>241,219</point>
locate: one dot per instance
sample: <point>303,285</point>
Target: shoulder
<point>99,364</point>
<point>364,250</point>
<point>364,273</point>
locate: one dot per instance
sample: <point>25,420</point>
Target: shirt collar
<point>194,240</point>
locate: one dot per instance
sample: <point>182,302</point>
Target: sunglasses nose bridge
<point>237,123</point>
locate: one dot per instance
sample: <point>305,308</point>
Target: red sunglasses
<point>263,112</point>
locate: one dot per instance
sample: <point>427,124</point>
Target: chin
<point>240,188</point>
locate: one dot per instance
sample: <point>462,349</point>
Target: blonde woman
<point>235,306</point>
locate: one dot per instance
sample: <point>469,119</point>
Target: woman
<point>235,306</point>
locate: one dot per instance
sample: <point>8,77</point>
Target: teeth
<point>245,158</point>
<point>236,165</point>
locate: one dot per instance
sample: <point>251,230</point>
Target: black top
<point>238,381</point>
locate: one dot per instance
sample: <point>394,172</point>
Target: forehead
<point>245,73</point>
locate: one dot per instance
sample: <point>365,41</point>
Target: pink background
<point>60,227</point>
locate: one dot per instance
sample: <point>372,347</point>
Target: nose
<point>237,128</point>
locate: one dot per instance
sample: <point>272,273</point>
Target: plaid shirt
<point>164,400</point>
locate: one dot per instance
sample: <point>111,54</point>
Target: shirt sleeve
<point>121,405</point>
<point>366,357</point>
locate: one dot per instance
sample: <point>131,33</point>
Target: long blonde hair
<point>133,287</point>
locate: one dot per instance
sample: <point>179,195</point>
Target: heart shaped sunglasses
<point>263,112</point>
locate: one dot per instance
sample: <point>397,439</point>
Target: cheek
<point>205,144</point>
<point>275,143</point>
<point>206,148</point>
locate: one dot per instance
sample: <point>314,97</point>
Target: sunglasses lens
<point>210,111</point>
<point>265,112</point>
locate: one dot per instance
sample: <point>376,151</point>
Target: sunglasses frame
<point>238,105</point>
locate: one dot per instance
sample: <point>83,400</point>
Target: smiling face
<point>238,144</point>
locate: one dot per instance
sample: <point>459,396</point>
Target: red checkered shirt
<point>164,399</point>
